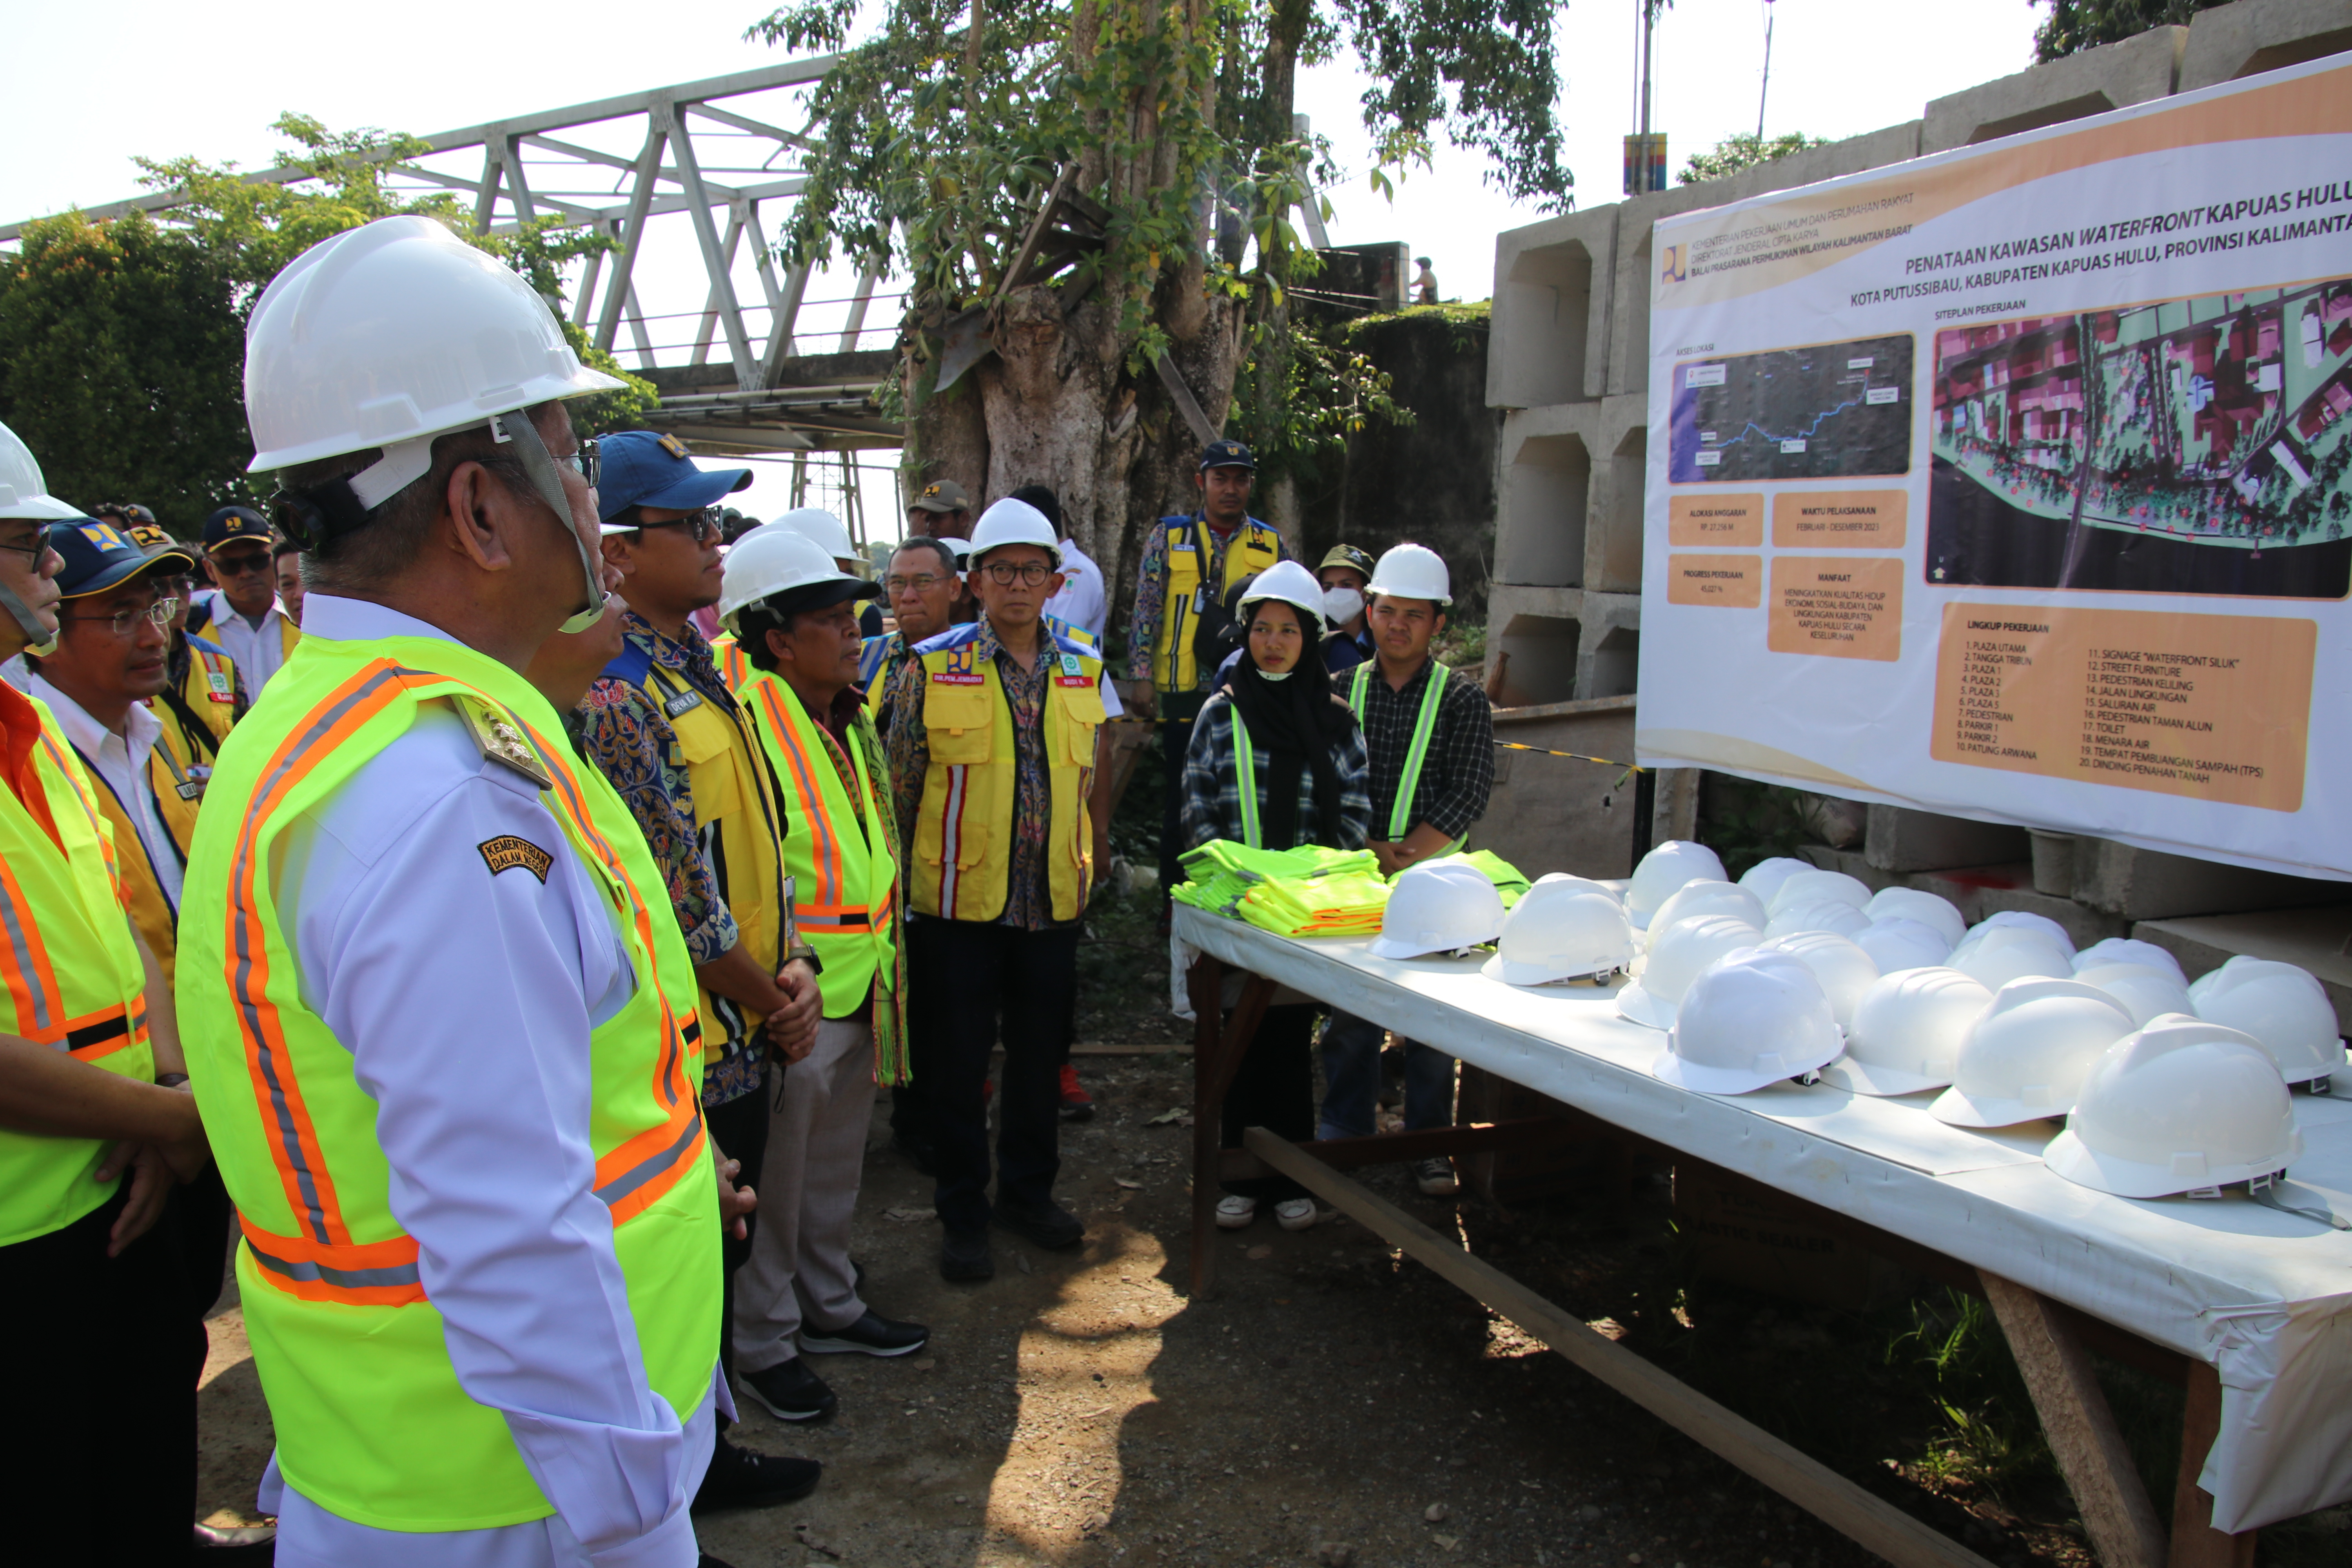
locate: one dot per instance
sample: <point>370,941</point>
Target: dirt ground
<point>1331,1404</point>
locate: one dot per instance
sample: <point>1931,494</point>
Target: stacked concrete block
<point>2256,35</point>
<point>2092,82</point>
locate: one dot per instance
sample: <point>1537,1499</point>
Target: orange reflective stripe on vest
<point>819,906</point>
<point>25,962</point>
<point>369,1274</point>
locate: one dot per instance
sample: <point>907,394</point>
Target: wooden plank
<point>1205,983</point>
<point>1395,1148</point>
<point>2195,1543</point>
<point>1877,1525</point>
<point>2084,1437</point>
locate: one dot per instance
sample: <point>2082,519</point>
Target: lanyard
<point>1424,725</point>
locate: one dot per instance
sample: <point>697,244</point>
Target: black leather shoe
<point>790,1391</point>
<point>1047,1223</point>
<point>872,1334</point>
<point>739,1478</point>
<point>964,1258</point>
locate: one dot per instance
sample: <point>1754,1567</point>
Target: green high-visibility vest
<point>70,973</point>
<point>1424,725</point>
<point>371,1422</point>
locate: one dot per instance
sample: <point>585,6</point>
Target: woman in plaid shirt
<point>1277,761</point>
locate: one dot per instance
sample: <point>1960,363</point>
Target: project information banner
<point>2016,482</point>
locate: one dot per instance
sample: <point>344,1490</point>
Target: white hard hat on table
<point>1411,572</point>
<point>2005,954</point>
<point>2147,995</point>
<point>1706,895</point>
<point>1807,887</point>
<point>388,335</point>
<point>1818,914</point>
<point>2015,920</point>
<point>773,560</point>
<point>23,492</point>
<point>2026,1056</point>
<point>2182,1106</point>
<point>1844,970</point>
<point>1438,909</point>
<point>1010,521</point>
<point>1927,909</point>
<point>1292,584</point>
<point>2281,1006</point>
<point>1896,943</point>
<point>816,523</point>
<point>1663,869</point>
<point>1906,1032</point>
<point>2126,950</point>
<point>1680,955</point>
<point>1764,878</point>
<point>1568,930</point>
<point>1750,1020</point>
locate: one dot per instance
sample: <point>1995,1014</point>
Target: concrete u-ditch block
<point>2092,82</point>
<point>1901,840</point>
<point>2255,35</point>
<point>2137,884</point>
<point>1553,284</point>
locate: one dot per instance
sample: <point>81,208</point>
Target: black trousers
<point>102,1395</point>
<point>740,1128</point>
<point>1273,1088</point>
<point>964,979</point>
<point>1175,740</point>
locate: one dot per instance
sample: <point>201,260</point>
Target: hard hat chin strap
<point>516,429</point>
<point>39,640</point>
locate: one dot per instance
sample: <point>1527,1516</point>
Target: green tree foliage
<point>1744,149</point>
<point>2073,26</point>
<point>122,342</point>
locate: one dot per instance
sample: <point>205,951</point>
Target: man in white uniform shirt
<point>247,618</point>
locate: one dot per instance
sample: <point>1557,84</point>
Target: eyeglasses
<point>705,525</point>
<point>587,462</point>
<point>241,565</point>
<point>921,585</point>
<point>1029,573</point>
<point>125,621</point>
<point>33,552</point>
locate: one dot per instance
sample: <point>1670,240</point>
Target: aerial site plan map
<point>1829,411</point>
<point>2196,446</point>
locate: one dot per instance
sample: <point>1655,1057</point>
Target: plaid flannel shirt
<point>1212,793</point>
<point>1459,771</point>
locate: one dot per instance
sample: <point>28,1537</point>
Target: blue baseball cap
<point>100,555</point>
<point>644,468</point>
<point>230,525</point>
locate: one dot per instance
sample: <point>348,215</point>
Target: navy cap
<point>231,524</point>
<point>1226,455</point>
<point>643,468</point>
<point>98,555</point>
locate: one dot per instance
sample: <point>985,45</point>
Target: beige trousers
<point>799,1272</point>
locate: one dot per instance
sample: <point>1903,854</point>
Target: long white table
<point>2262,1297</point>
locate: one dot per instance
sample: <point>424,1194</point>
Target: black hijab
<point>1299,722</point>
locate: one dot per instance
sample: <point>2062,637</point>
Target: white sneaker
<point>1435,1178</point>
<point>1234,1212</point>
<point>1294,1214</point>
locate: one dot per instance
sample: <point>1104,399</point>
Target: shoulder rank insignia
<point>501,741</point>
<point>506,852</point>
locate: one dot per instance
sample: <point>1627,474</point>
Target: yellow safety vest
<point>371,1423</point>
<point>963,830</point>
<point>142,890</point>
<point>1253,549</point>
<point>733,789</point>
<point>71,972</point>
<point>844,879</point>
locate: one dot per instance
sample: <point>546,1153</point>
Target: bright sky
<point>146,77</point>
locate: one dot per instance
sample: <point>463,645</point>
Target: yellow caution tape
<point>1573,757</point>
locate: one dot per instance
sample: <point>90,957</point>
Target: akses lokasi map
<point>1831,411</point>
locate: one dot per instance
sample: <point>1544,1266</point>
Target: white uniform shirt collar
<point>121,762</point>
<point>339,619</point>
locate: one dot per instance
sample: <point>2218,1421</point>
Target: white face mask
<point>1265,674</point>
<point>1342,604</point>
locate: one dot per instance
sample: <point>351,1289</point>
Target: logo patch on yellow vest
<point>506,852</point>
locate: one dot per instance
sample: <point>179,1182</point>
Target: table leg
<point>2195,1543</point>
<point>2089,1446</point>
<point>1218,1047</point>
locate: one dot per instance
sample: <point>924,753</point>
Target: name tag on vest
<point>948,677</point>
<point>223,689</point>
<point>192,789</point>
<point>684,703</point>
<point>1073,673</point>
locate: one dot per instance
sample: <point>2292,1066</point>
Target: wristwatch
<point>803,952</point>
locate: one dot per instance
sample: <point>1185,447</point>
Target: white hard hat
<point>2281,1006</point>
<point>2015,920</point>
<point>2026,1054</point>
<point>1906,1032</point>
<point>957,547</point>
<point>395,333</point>
<point>1010,521</point>
<point>1411,572</point>
<point>1806,887</point>
<point>1436,909</point>
<point>1680,955</point>
<point>1661,870</point>
<point>1818,914</point>
<point>1764,878</point>
<point>1292,584</point>
<point>821,525</point>
<point>772,559</point>
<point>2183,1106</point>
<point>2125,950</point>
<point>2145,993</point>
<point>1917,904</point>
<point>1706,895</point>
<point>1568,930</point>
<point>2005,954</point>
<point>1751,1019</point>
<point>1896,943</point>
<point>23,492</point>
<point>1844,970</point>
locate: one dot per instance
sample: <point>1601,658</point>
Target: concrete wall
<point>1570,371</point>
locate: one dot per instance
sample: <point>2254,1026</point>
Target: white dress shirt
<point>1081,601</point>
<point>121,764</point>
<point>466,997</point>
<point>259,651</point>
